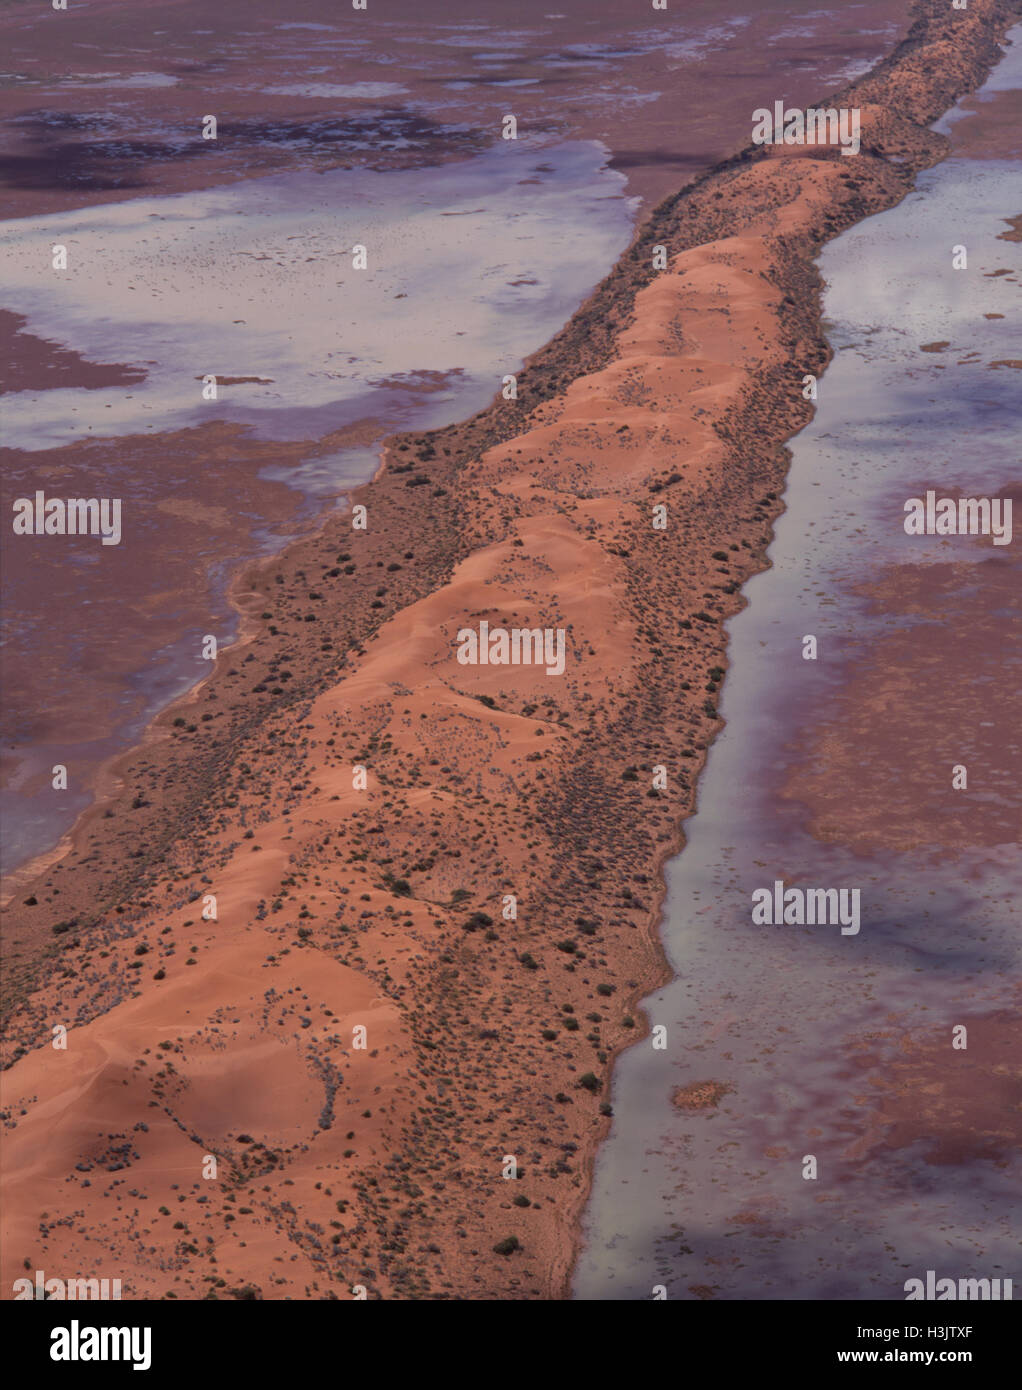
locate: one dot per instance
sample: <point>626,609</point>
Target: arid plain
<point>341,909</point>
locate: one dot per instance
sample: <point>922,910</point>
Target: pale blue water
<point>472,266</point>
<point>772,1010</point>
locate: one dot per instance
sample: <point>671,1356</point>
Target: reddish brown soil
<point>878,774</point>
<point>961,1104</point>
<point>339,908</point>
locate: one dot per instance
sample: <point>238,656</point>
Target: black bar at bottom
<point>171,1339</point>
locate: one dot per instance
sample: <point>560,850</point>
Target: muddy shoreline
<point>441,508</point>
<point>80,130</point>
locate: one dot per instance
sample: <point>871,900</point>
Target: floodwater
<point>234,258</point>
<point>469,268</point>
<point>838,773</point>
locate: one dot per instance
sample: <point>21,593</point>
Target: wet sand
<point>382,908</point>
